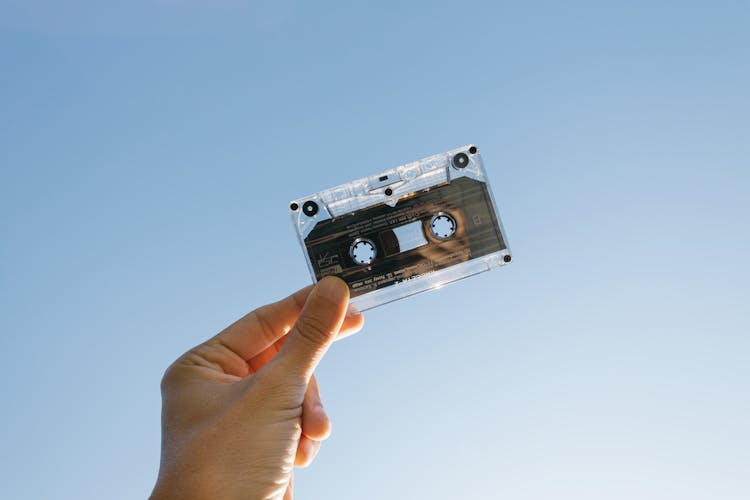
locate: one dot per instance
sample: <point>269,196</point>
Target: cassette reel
<point>410,229</point>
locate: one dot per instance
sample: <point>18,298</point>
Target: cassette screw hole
<point>443,226</point>
<point>473,150</point>
<point>310,208</point>
<point>388,191</point>
<point>362,251</point>
<point>460,160</point>
<point>507,258</point>
<point>294,207</point>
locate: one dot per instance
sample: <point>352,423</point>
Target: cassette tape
<point>410,229</point>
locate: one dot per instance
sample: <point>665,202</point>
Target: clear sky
<point>149,149</point>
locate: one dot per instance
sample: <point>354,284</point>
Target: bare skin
<point>241,410</point>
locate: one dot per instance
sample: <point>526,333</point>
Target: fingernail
<point>352,311</point>
<point>314,451</point>
<point>332,289</point>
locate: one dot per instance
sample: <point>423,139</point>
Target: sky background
<point>148,152</point>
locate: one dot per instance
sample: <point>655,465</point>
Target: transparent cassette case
<point>410,229</point>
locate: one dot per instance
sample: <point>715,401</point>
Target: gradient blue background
<point>148,151</point>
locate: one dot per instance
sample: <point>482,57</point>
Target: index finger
<point>259,329</point>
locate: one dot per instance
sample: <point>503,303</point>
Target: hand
<point>240,410</point>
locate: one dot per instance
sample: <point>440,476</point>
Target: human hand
<point>242,409</point>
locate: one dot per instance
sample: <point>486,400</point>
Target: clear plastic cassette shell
<point>407,230</point>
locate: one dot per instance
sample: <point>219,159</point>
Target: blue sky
<point>147,155</point>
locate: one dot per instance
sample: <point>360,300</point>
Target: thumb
<point>316,328</point>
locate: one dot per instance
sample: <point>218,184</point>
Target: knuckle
<point>165,382</point>
<point>260,317</point>
<point>273,388</point>
<point>167,379</point>
<point>313,329</point>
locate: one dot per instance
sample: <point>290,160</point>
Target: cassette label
<point>405,231</point>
